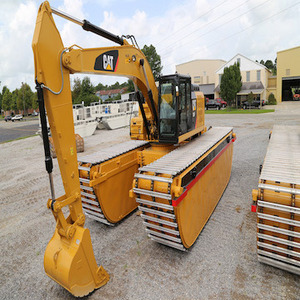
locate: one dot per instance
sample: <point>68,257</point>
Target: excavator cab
<point>177,109</point>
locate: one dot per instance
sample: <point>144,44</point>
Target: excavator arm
<point>69,257</point>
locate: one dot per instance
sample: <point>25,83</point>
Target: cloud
<point>191,29</point>
<point>16,31</point>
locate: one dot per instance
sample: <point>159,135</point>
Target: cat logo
<point>107,61</point>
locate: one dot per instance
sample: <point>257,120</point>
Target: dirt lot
<point>221,265</point>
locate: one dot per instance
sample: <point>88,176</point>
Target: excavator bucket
<point>72,264</point>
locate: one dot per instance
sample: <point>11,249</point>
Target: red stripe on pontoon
<point>177,201</point>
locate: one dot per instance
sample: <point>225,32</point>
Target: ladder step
<point>152,193</point>
<point>95,208</point>
<point>278,249</point>
<point>90,201</point>
<point>278,219</point>
<point>279,189</point>
<point>97,214</point>
<point>84,168</point>
<point>279,257</point>
<point>155,204</point>
<point>84,180</point>
<point>278,240</point>
<point>160,221</point>
<point>161,228</point>
<point>278,230</point>
<point>279,264</point>
<point>104,221</point>
<point>164,236</point>
<point>88,195</point>
<point>157,212</point>
<point>285,208</point>
<point>167,243</point>
<point>87,188</point>
<point>154,178</point>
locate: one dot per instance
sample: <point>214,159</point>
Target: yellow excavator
<point>173,169</point>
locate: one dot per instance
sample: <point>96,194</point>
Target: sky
<point>181,30</point>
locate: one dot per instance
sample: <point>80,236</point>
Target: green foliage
<point>76,89</point>
<point>272,99</point>
<point>250,98</point>
<point>231,83</point>
<point>86,92</point>
<point>100,87</point>
<point>270,65</point>
<point>130,86</point>
<point>14,99</point>
<point>117,97</point>
<point>153,59</point>
<point>25,96</point>
<point>34,102</point>
<point>6,100</point>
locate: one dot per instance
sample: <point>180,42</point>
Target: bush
<point>272,99</point>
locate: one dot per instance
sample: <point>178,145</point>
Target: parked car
<point>212,103</point>
<point>222,102</point>
<point>17,118</point>
<point>7,118</point>
<point>34,113</point>
<point>255,103</point>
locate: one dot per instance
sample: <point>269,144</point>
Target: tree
<point>25,94</point>
<point>14,99</point>
<point>34,102</point>
<point>130,86</point>
<point>100,87</point>
<point>272,99</point>
<point>86,94</point>
<point>76,89</point>
<point>231,83</point>
<point>153,59</point>
<point>6,100</point>
<point>269,64</point>
<point>250,99</point>
<point>117,97</point>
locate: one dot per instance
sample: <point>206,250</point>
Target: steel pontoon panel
<point>282,161</point>
<point>181,158</point>
<point>171,165</point>
<point>111,152</point>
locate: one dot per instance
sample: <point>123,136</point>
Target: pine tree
<point>153,59</point>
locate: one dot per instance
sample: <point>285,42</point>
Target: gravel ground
<point>221,265</point>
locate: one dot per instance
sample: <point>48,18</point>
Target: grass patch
<point>20,138</point>
<point>239,111</point>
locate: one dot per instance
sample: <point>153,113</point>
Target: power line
<point>230,36</point>
<point>221,25</point>
<point>206,24</point>
<point>192,22</point>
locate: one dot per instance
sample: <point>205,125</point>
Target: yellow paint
<point>194,210</point>
<point>69,257</point>
<point>288,65</point>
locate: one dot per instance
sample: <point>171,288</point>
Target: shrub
<point>272,99</point>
